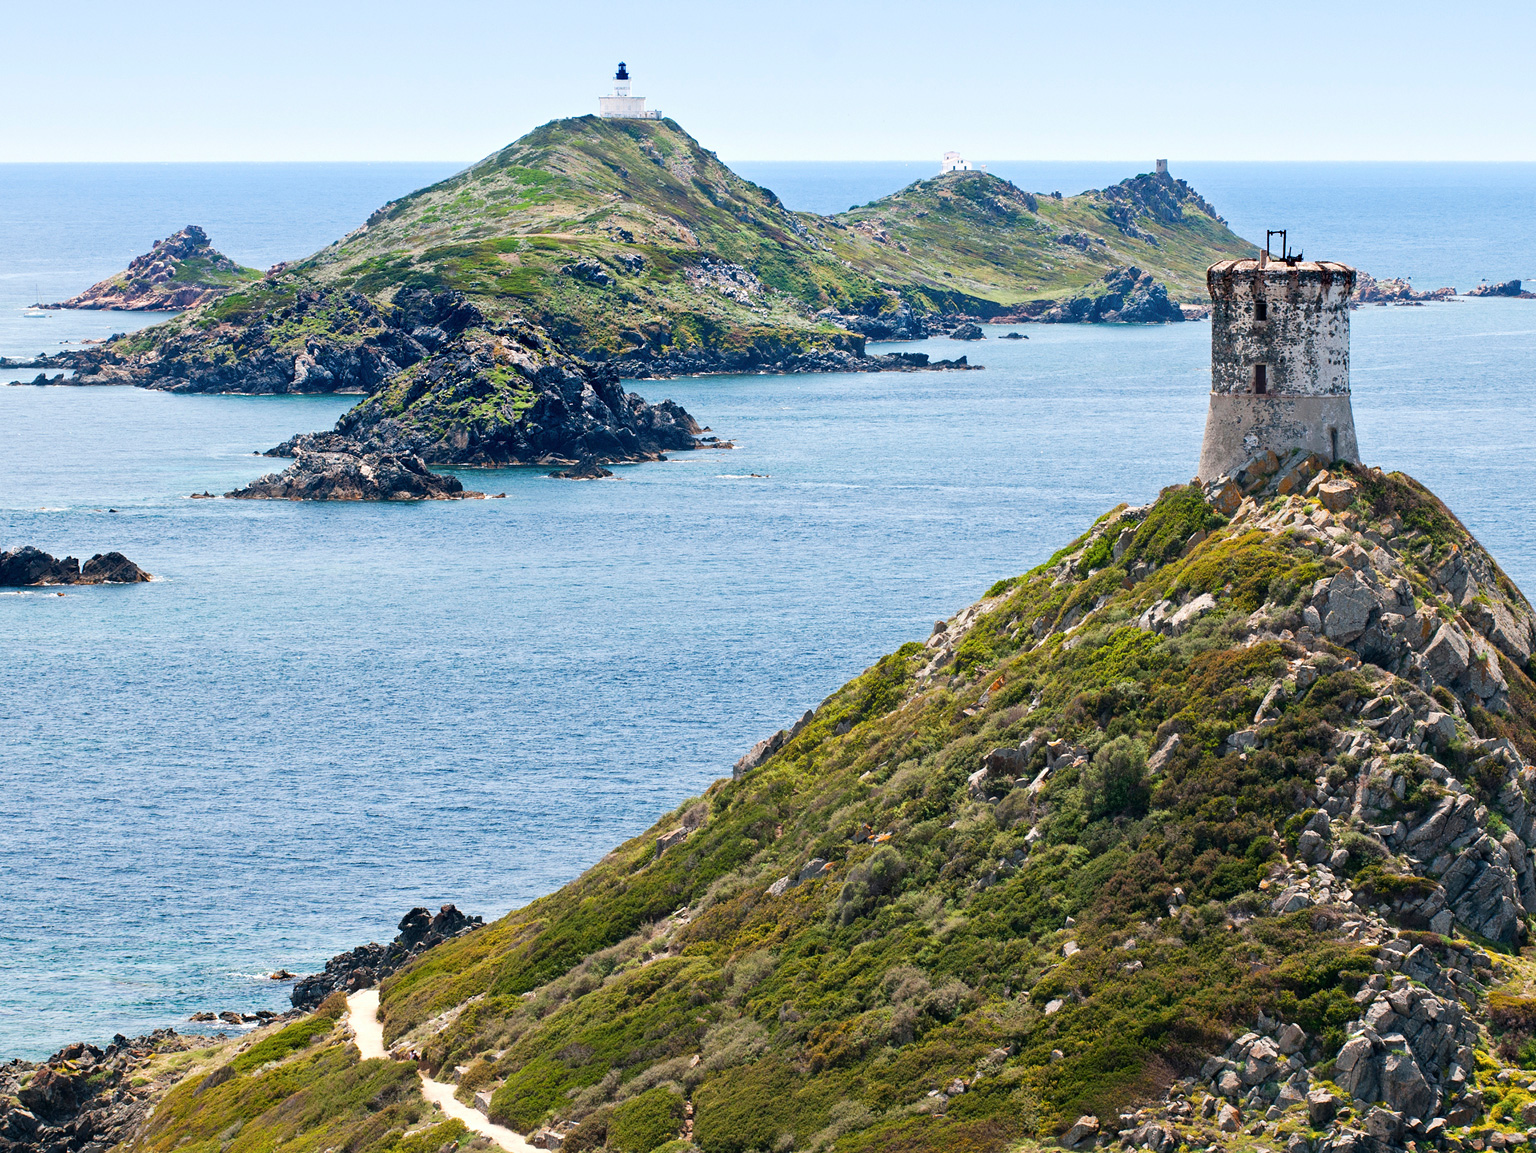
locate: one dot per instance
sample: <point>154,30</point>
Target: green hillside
<point>629,242</point>
<point>1225,765</point>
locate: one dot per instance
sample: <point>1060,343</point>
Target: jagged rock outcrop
<point>1369,290</point>
<point>587,469</point>
<point>85,1098</point>
<point>29,566</point>
<point>345,471</point>
<point>766,747</point>
<point>181,271</point>
<point>1508,288</point>
<point>1127,296</point>
<point>273,338</point>
<point>367,965</point>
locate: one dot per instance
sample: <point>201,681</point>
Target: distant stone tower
<point>621,105</point>
<point>1279,361</point>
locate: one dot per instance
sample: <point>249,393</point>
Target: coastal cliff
<point>181,271</point>
<point>1213,829</point>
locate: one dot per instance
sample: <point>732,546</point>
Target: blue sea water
<point>318,716</point>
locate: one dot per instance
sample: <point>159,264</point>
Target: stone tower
<point>1279,362</point>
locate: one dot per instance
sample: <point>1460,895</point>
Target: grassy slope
<point>929,950</point>
<point>604,231</point>
<point>973,233</point>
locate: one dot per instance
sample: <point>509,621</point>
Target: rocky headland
<point>346,471</point>
<point>1215,830</point>
<point>179,272</point>
<point>28,566</point>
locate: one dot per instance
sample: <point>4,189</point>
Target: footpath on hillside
<point>368,1036</point>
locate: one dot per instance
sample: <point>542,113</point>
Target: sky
<point>157,80</point>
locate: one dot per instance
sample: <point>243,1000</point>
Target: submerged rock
<point>349,473</point>
<point>29,566</point>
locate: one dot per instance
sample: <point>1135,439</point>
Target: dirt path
<point>368,1036</point>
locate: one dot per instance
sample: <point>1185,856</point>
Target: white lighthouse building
<point>954,162</point>
<point>621,105</point>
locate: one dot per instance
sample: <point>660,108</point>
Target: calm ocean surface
<point>319,716</point>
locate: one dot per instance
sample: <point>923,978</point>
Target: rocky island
<point>181,271</point>
<point>346,471</point>
<point>486,319</point>
<point>28,566</point>
<point>627,244</point>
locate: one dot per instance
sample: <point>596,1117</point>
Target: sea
<point>318,716</point>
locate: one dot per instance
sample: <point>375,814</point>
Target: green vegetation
<point>933,943</point>
<point>301,1089</point>
<point>626,236</point>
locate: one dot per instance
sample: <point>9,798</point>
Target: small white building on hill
<point>954,162</point>
<point>621,105</point>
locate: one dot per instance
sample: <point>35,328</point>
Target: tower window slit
<point>1260,378</point>
<point>1261,309</point>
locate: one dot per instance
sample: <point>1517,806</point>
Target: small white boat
<point>35,314</point>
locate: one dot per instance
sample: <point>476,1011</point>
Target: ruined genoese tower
<point>1279,361</point>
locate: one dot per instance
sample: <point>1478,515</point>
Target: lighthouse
<point>621,105</point>
<point>1279,361</point>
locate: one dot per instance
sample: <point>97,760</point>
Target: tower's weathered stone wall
<point>1279,363</point>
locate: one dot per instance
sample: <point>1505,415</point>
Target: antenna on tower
<point>1285,249</point>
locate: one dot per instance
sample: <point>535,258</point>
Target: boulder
<point>1228,1119</point>
<point>111,568</point>
<point>968,332</point>
<point>367,965</point>
<point>587,469</point>
<point>1321,1107</point>
<point>1336,495</point>
<point>1084,1131</point>
<point>1291,1040</point>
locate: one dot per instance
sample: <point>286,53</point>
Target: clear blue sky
<point>787,80</point>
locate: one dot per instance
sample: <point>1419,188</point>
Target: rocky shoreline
<point>367,965</point>
<point>87,1098</point>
